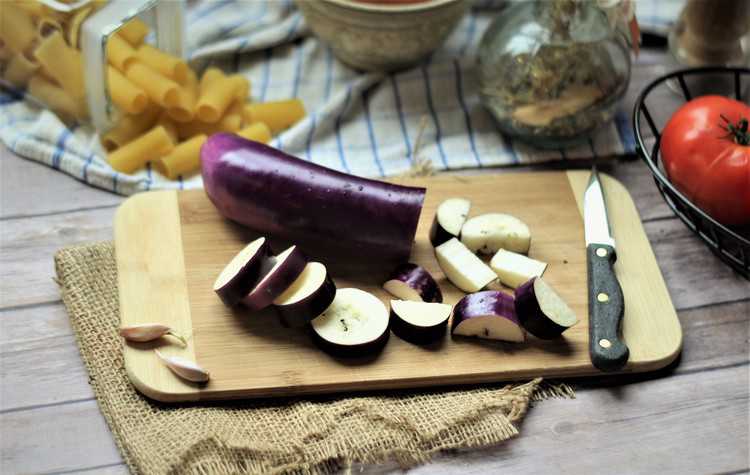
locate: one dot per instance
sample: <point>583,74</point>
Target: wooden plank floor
<point>689,418</point>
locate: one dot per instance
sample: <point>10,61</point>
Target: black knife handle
<point>606,308</point>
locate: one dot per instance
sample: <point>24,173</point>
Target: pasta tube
<point>163,63</point>
<point>62,63</point>
<point>16,27</point>
<point>241,85</point>
<point>215,98</point>
<point>68,109</point>
<point>257,131</point>
<point>134,32</point>
<point>184,110</point>
<point>278,115</point>
<point>20,69</point>
<point>73,27</point>
<point>119,52</point>
<point>161,90</point>
<point>152,145</point>
<point>168,125</point>
<point>183,159</point>
<point>129,127</point>
<point>48,25</point>
<point>126,95</point>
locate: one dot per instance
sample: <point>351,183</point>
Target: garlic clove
<point>184,368</point>
<point>148,332</point>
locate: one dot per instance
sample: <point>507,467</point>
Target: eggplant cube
<point>514,269</point>
<point>490,314</point>
<point>463,267</point>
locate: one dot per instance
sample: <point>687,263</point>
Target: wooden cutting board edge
<point>143,269</point>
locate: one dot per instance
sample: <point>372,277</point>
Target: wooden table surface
<point>690,418</point>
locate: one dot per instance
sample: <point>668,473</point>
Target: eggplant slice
<point>241,274</point>
<point>355,324</point>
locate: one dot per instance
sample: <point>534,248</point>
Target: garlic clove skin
<point>149,332</point>
<point>184,368</point>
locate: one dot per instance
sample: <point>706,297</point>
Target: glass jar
<point>552,72</point>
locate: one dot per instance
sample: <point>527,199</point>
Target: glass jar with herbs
<point>552,72</point>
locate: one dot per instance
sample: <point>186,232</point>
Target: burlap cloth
<point>300,436</point>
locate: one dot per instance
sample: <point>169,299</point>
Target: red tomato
<point>705,148</point>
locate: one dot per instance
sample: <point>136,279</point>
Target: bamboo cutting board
<point>171,245</point>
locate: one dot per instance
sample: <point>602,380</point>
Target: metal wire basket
<point>727,243</point>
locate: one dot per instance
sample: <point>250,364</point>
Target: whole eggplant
<point>330,214</point>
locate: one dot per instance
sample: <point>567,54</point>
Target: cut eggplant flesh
<point>419,322</point>
<point>514,269</point>
<point>488,233</point>
<point>541,311</point>
<point>278,274</point>
<point>449,219</point>
<point>355,324</point>
<point>307,297</point>
<point>412,282</point>
<point>490,315</point>
<point>462,267</point>
<point>242,272</point>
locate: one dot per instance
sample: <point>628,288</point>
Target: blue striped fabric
<point>362,123</point>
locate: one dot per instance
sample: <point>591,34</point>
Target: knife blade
<point>606,304</point>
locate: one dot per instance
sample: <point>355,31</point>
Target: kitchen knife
<point>606,305</point>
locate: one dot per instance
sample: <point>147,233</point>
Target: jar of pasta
<point>119,65</point>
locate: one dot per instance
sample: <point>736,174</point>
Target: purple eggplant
<point>541,311</point>
<point>355,324</point>
<point>307,297</point>
<point>419,322</point>
<point>449,218</point>
<point>242,272</point>
<point>331,215</point>
<point>278,274</point>
<point>490,314</point>
<point>412,282</point>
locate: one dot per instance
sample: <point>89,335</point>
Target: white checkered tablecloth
<point>362,123</point>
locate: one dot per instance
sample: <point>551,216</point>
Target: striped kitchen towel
<point>363,123</point>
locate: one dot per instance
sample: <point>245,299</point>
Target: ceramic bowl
<point>382,36</point>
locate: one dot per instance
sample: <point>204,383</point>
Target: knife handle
<point>606,308</point>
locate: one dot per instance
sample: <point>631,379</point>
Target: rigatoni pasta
<point>63,63</point>
<point>67,108</point>
<point>134,32</point>
<point>126,95</point>
<point>129,127</point>
<point>16,27</point>
<point>184,110</point>
<point>150,146</point>
<point>161,100</point>
<point>278,115</point>
<point>20,69</point>
<point>119,52</point>
<point>163,63</point>
<point>48,25</point>
<point>185,158</point>
<point>257,131</point>
<point>73,27</point>
<point>215,97</point>
<point>160,89</point>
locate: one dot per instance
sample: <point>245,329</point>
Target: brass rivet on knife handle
<point>602,297</point>
<point>601,252</point>
<point>604,343</point>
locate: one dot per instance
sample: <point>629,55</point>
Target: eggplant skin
<point>238,287</point>
<point>531,316</point>
<point>488,302</point>
<point>300,313</point>
<point>420,280</point>
<point>367,222</point>
<point>438,234</point>
<point>415,334</point>
<point>369,348</point>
